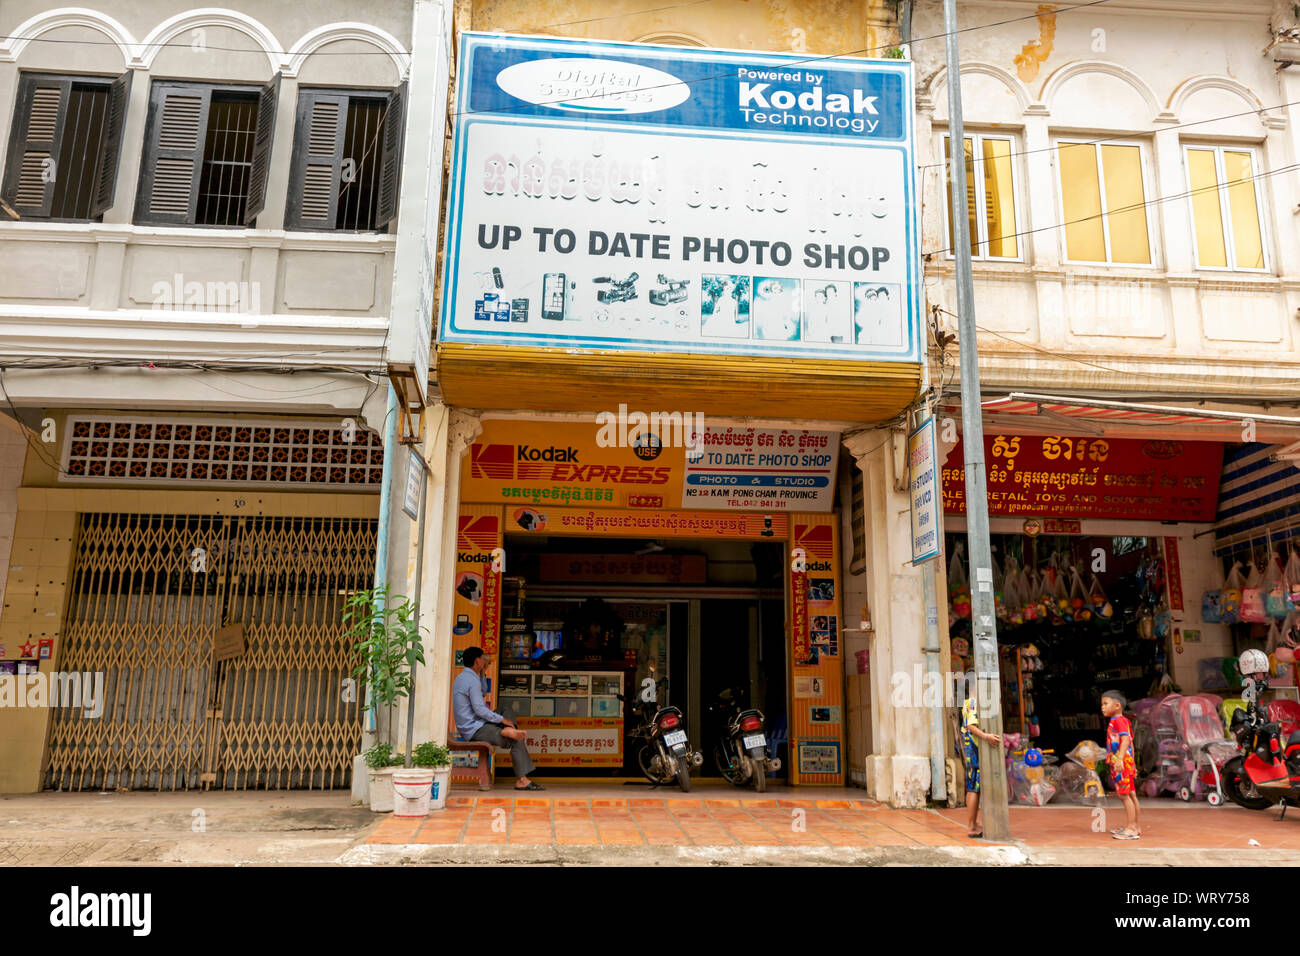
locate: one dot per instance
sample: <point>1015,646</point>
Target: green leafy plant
<point>431,754</point>
<point>380,755</point>
<point>389,642</point>
<point>895,54</point>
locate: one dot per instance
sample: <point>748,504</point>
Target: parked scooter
<point>665,754</point>
<point>741,755</point>
<point>1266,773</point>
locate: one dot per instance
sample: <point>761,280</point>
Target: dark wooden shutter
<point>110,149</point>
<point>390,163</point>
<point>34,144</point>
<point>317,159</point>
<point>267,99</point>
<point>169,184</point>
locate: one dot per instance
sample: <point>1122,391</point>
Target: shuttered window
<point>64,146</point>
<point>207,154</point>
<point>346,160</point>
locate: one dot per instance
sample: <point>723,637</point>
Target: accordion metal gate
<point>147,596</point>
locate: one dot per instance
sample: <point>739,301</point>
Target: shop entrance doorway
<point>584,619</point>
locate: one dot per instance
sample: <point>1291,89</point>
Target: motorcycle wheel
<point>1238,788</point>
<point>684,775</point>
<point>643,758</point>
<point>759,768</point>
<point>724,770</point>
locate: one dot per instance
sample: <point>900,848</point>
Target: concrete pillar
<point>898,769</point>
<point>448,434</point>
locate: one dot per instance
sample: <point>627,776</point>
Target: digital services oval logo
<point>593,86</point>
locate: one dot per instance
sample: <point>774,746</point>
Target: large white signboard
<point>635,197</point>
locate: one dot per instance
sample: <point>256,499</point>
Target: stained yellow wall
<point>798,26</point>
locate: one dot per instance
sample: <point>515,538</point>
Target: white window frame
<point>1097,144</point>
<point>981,216</point>
<point>1225,213</point>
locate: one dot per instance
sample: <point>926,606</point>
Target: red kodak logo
<point>492,461</point>
<point>816,540</point>
<point>477,532</point>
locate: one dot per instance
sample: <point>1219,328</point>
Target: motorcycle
<point>741,755</point>
<point>1265,773</point>
<point>665,754</point>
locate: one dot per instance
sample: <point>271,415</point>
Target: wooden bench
<point>483,773</point>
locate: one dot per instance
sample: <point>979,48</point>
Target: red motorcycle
<point>1266,772</point>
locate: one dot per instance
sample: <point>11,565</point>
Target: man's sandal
<point>532,785</point>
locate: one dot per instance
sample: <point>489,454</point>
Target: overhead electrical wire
<point>1139,134</point>
<point>1132,207</point>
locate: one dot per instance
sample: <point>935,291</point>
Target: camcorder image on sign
<point>655,198</point>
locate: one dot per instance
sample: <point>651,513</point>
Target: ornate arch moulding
<point>32,27</point>
<point>927,96</point>
<point>140,54</point>
<point>173,26</point>
<point>313,40</point>
<point>1185,90</point>
<point>1052,85</point>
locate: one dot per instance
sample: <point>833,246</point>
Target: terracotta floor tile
<point>646,802</point>
<point>597,802</point>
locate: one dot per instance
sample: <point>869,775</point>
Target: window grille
<point>221,451</point>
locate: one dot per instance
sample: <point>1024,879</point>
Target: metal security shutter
<point>390,169</point>
<point>267,100</point>
<point>119,92</point>
<point>34,144</point>
<point>317,160</point>
<point>169,184</point>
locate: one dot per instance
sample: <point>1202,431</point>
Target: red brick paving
<point>760,821</point>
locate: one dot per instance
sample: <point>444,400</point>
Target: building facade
<point>198,236</point>
<point>1132,197</point>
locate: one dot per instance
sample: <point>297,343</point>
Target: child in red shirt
<point>1119,757</point>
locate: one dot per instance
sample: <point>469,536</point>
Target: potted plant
<point>381,760</point>
<point>390,646</point>
<point>425,787</point>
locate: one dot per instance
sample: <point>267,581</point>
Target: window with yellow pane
<point>991,208</point>
<point>1226,207</point>
<point>1103,203</point>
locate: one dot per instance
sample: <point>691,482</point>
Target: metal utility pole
<point>997,824</point>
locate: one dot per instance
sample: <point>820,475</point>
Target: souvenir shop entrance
<point>1099,545</point>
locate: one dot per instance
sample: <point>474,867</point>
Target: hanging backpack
<point>1230,605</point>
<point>1275,591</point>
<point>1252,598</point>
<point>1212,598</point>
<point>1291,577</point>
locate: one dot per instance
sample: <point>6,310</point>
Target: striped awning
<point>1259,496</point>
<point>1132,413</point>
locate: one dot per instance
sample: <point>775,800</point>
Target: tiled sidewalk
<point>678,821</point>
<point>790,819</point>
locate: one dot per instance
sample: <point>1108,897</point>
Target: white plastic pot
<point>381,790</point>
<point>411,791</point>
<point>441,784</point>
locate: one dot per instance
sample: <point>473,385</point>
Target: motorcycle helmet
<point>1253,661</point>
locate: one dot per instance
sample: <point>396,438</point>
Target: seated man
<point>475,721</point>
